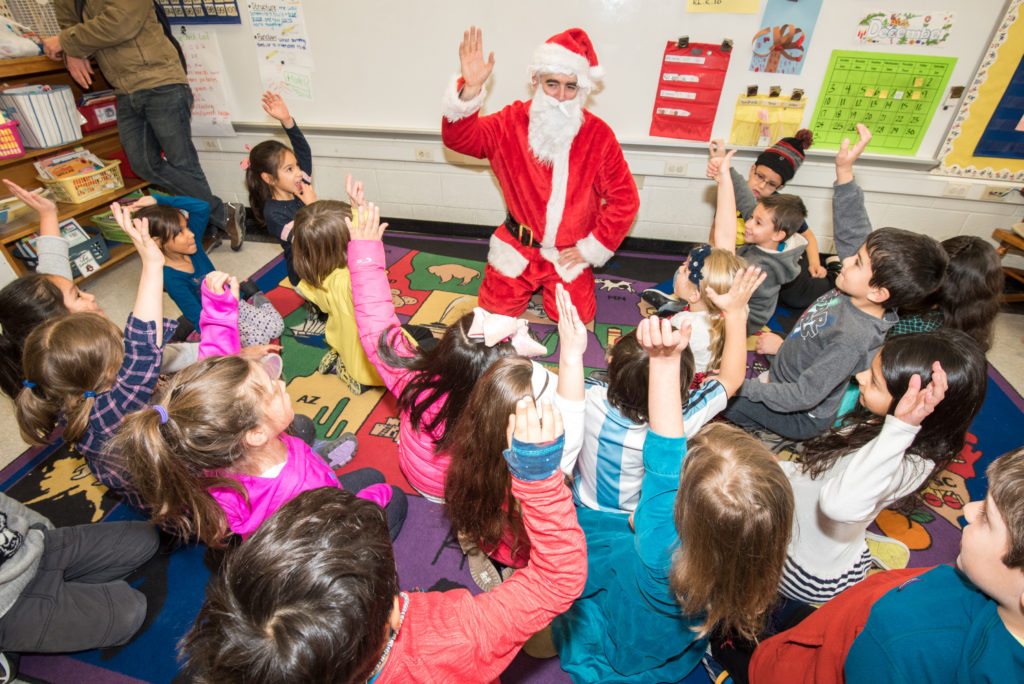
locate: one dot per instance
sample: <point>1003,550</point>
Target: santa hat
<point>786,156</point>
<point>568,52</point>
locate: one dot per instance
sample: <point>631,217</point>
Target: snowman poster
<point>780,47</point>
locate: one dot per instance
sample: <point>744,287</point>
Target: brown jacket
<point>126,39</point>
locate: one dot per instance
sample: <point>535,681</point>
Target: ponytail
<point>66,361</point>
<point>210,406</point>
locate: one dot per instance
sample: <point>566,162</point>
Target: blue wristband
<point>532,462</point>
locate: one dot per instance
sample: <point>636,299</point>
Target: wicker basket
<point>78,189</point>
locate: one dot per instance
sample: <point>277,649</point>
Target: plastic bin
<point>78,189</point>
<point>10,141</point>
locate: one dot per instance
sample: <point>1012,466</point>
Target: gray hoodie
<point>21,548</point>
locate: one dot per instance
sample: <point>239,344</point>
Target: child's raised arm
<point>725,211</point>
<point>850,222</point>
<point>275,107</point>
<point>848,154</point>
<point>149,302</point>
<point>354,189</point>
<point>572,338</point>
<point>664,346</point>
<point>367,225</point>
<point>52,248</point>
<point>733,305</point>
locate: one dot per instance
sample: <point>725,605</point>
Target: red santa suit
<point>598,207</point>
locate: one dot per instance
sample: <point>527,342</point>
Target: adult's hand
<point>52,48</point>
<point>81,71</point>
<point>569,257</point>
<point>475,71</point>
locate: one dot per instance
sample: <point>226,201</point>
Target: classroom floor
<point>115,289</point>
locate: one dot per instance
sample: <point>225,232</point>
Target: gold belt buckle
<point>528,230</point>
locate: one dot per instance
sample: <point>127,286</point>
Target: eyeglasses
<point>764,179</point>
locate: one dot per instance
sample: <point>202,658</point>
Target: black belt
<point>522,233</point>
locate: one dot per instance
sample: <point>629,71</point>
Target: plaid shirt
<point>132,390</point>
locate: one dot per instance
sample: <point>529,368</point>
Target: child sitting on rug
<point>28,301</point>
<point>918,399</point>
<point>478,491</point>
<point>313,596</point>
<point>962,623</point>
<point>186,264</point>
<point>212,457</point>
<point>653,596</point>
<point>278,179</point>
<point>839,334</point>
<point>432,386</point>
<point>82,373</point>
<point>609,470</point>
<point>770,236</point>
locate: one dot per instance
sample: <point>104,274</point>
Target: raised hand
<point>916,404</point>
<point>42,205</point>
<point>354,189</point>
<point>848,154</point>
<point>661,340</point>
<point>475,71</point>
<point>530,427</point>
<point>572,334</point>
<point>718,164</point>
<point>275,107</point>
<point>367,225</point>
<point>138,231</point>
<point>218,281</point>
<point>744,283</point>
<point>716,148</point>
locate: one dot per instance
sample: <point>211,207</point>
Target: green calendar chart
<point>892,94</point>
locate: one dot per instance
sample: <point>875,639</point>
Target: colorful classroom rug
<point>433,291</point>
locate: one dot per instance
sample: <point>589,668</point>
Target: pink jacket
<point>375,312</point>
<point>218,323</point>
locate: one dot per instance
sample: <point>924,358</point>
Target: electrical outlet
<point>424,154</point>
<point>675,168</point>
<point>211,144</point>
<point>958,190</point>
<point>996,193</point>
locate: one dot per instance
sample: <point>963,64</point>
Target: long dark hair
<point>164,222</point>
<point>970,293</point>
<point>447,373</point>
<point>629,375</point>
<point>266,157</point>
<point>943,432</point>
<point>478,487</point>
<point>24,304</point>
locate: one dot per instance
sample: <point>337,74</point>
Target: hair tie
<point>28,384</point>
<point>495,328</point>
<point>90,395</point>
<point>696,263</point>
<point>162,411</point>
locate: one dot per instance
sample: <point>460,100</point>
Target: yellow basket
<point>78,189</point>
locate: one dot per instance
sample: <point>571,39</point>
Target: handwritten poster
<point>201,11</point>
<point>786,28</point>
<point>723,6</point>
<point>282,47</point>
<point>211,110</point>
<point>905,28</point>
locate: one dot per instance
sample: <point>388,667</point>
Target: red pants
<point>509,296</point>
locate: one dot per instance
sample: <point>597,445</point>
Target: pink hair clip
<point>245,162</point>
<point>495,328</point>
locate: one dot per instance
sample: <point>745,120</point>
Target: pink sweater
<point>375,312</point>
<point>304,470</point>
<point>454,636</point>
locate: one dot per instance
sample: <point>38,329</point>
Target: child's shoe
<point>9,667</point>
<point>337,452</point>
<point>657,298</point>
<point>354,386</point>
<point>481,569</point>
<point>328,363</point>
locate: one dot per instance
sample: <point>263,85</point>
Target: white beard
<point>553,124</point>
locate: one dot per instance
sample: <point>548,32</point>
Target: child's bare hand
<point>532,427</point>
<point>138,231</point>
<point>572,334</point>
<point>768,344</point>
<point>475,71</point>
<point>719,165</point>
<point>660,339</point>
<point>42,205</point>
<point>916,404</point>
<point>218,282</point>
<point>275,107</point>
<point>848,154</point>
<point>744,284</point>
<point>355,192</point>
<point>258,351</point>
<point>817,271</point>
<point>305,192</point>
<point>716,148</point>
<point>367,225</point>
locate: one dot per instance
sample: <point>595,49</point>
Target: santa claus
<point>569,193</point>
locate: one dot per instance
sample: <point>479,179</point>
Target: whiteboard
<point>383,65</point>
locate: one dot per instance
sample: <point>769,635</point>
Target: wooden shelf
<point>33,153</point>
<point>24,66</point>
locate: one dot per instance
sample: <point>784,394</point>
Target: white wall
<point>458,189</point>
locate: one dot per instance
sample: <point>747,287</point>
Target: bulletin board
<point>998,75</point>
<point>894,95</point>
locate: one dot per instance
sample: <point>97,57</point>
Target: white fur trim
<point>593,251</point>
<point>551,58</point>
<point>566,274</point>
<point>505,258</point>
<point>453,108</point>
<point>556,202</point>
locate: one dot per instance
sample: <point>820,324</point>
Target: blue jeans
<point>155,120</point>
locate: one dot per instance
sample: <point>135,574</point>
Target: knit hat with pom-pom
<point>786,156</point>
